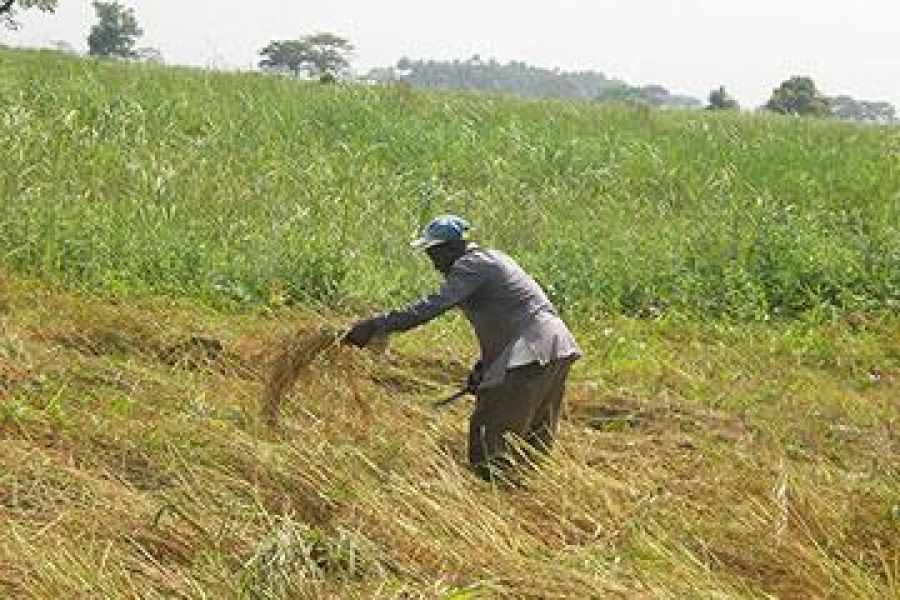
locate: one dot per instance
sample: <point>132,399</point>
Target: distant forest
<point>522,79</point>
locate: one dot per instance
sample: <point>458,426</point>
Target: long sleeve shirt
<point>514,321</point>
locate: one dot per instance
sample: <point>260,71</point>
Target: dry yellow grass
<point>749,463</point>
<point>294,358</point>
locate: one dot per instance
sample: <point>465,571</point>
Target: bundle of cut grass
<point>294,357</point>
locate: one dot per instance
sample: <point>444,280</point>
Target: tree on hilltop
<point>721,100</point>
<point>646,95</point>
<point>323,56</point>
<point>116,31</point>
<point>149,55</point>
<point>850,109</point>
<point>798,96</point>
<point>627,94</point>
<point>483,74</point>
<point>8,9</point>
<point>64,47</point>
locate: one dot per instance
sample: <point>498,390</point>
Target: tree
<point>798,96</point>
<point>720,100</point>
<point>149,55</point>
<point>7,9</point>
<point>485,74</point>
<point>64,47</point>
<point>323,55</point>
<point>115,32</point>
<point>647,95</point>
<point>850,109</point>
<point>626,94</point>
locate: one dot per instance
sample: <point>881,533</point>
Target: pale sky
<point>689,46</point>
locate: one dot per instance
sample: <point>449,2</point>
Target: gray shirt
<point>515,322</point>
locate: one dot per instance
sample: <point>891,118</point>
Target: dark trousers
<point>526,405</point>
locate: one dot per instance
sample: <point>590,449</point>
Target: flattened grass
<point>693,461</point>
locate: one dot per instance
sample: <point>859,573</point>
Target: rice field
<point>178,250</point>
<point>246,190</point>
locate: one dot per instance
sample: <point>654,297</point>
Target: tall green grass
<point>253,189</point>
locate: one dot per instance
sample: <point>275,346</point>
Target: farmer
<point>526,349</point>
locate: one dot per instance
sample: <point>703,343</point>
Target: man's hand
<point>362,333</point>
<point>473,381</point>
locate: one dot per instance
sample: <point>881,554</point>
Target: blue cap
<point>446,228</point>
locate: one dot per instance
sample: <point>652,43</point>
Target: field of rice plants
<point>165,233</point>
<point>249,189</point>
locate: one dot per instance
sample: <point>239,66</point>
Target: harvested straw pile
<point>294,357</point>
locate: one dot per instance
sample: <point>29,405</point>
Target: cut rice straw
<point>296,354</point>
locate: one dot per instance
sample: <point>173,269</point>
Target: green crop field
<point>734,280</point>
<point>227,186</point>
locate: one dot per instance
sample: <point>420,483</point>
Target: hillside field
<point>734,281</point>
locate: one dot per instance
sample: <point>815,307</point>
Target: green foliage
<point>798,96</point>
<point>850,109</point>
<point>149,54</point>
<point>237,188</point>
<point>624,94</point>
<point>8,7</point>
<point>323,55</point>
<point>294,554</point>
<point>45,5</point>
<point>467,592</point>
<point>475,74</point>
<point>521,79</point>
<point>648,95</point>
<point>721,100</point>
<point>116,31</point>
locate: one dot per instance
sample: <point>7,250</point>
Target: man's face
<point>444,255</point>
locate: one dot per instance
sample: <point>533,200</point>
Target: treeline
<point>800,96</point>
<point>795,96</point>
<point>326,57</point>
<point>848,108</point>
<point>522,79</point>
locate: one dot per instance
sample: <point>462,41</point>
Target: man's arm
<point>461,282</point>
